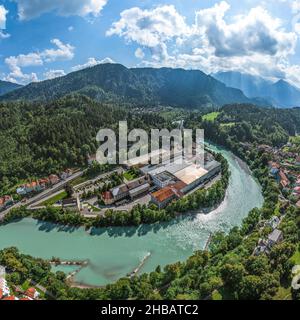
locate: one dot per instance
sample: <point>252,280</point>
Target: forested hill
<point>248,123</point>
<point>37,139</point>
<point>6,87</point>
<point>116,83</point>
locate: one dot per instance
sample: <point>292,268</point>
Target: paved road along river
<point>115,252</point>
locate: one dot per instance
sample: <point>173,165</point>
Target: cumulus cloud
<point>3,13</point>
<point>91,62</point>
<point>52,74</point>
<point>255,42</point>
<point>34,8</point>
<point>139,53</point>
<point>16,63</point>
<point>295,5</point>
<point>149,27</point>
<point>255,32</point>
<point>61,52</point>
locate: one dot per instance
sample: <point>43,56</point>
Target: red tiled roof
<point>30,292</point>
<point>107,195</point>
<point>4,199</point>
<point>9,298</point>
<point>42,181</point>
<point>163,194</point>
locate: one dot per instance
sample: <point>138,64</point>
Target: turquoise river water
<point>114,252</point>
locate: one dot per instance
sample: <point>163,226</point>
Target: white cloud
<point>16,63</point>
<point>139,53</point>
<point>255,42</point>
<point>296,16</point>
<point>4,35</point>
<point>296,6</point>
<point>71,28</point>
<point>91,62</point>
<point>62,52</point>
<point>149,27</point>
<point>255,32</point>
<point>3,13</point>
<point>34,8</point>
<point>51,74</point>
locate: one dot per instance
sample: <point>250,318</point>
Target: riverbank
<point>113,252</point>
<point>205,199</point>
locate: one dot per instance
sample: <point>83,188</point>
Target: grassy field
<point>296,257</point>
<point>283,294</point>
<point>228,125</point>
<point>54,199</point>
<point>129,175</point>
<point>210,116</point>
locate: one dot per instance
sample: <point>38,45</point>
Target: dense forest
<point>248,123</point>
<point>38,139</point>
<point>147,86</point>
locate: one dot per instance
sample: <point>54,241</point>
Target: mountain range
<point>6,87</point>
<point>279,94</point>
<point>114,82</point>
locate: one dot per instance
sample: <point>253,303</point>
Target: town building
<point>28,188</point>
<point>264,246</point>
<point>66,174</point>
<point>53,179</point>
<point>32,293</point>
<point>284,181</point>
<point>167,194</point>
<point>193,175</point>
<point>132,190</point>
<point>6,201</point>
<point>163,197</point>
<point>107,198</point>
<point>10,298</point>
<point>275,237</point>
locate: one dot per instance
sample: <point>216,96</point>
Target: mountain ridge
<point>280,93</point>
<point>6,87</point>
<point>105,82</point>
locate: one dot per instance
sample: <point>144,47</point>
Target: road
<point>33,203</point>
<point>46,193</point>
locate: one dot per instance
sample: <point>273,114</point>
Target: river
<point>114,252</point>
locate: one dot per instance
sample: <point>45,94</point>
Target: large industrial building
<point>176,179</point>
<point>170,179</point>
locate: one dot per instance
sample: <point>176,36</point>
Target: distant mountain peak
<point>280,93</point>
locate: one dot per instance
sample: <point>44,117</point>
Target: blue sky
<point>41,39</point>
